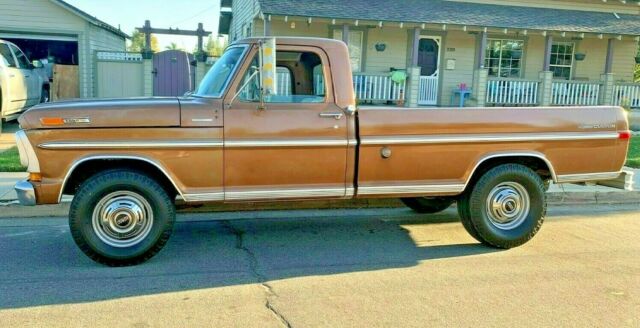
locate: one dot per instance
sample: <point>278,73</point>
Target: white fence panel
<point>572,93</point>
<point>119,74</point>
<point>627,94</point>
<point>512,92</point>
<point>428,90</point>
<point>377,87</point>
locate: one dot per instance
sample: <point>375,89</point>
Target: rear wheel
<point>506,207</point>
<point>121,217</point>
<point>428,205</point>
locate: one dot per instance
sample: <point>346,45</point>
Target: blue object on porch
<point>463,96</point>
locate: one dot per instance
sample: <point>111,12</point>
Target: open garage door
<point>58,53</point>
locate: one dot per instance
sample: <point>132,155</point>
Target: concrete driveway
<point>332,268</point>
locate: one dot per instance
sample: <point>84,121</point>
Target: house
<point>507,52</point>
<point>62,33</point>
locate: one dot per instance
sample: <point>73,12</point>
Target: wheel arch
<point>534,160</point>
<point>85,167</point>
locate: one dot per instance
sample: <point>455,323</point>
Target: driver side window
<point>22,59</point>
<point>299,79</point>
<point>5,56</point>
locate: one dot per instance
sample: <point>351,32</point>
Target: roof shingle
<point>459,13</point>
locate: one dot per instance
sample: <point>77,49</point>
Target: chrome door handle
<point>12,75</point>
<point>337,116</point>
<point>27,76</point>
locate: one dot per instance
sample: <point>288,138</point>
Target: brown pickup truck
<point>243,136</point>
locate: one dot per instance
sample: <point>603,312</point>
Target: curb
<point>13,210</point>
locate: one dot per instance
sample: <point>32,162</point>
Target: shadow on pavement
<point>40,264</point>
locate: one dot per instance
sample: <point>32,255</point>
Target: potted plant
<point>580,56</point>
<point>638,59</point>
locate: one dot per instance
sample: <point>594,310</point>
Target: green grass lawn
<point>633,159</point>
<point>10,161</point>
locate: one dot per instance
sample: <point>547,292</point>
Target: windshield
<point>218,77</point>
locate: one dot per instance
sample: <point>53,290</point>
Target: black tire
<point>465,217</point>
<point>144,193</point>
<point>427,205</point>
<point>500,186</point>
<point>45,96</point>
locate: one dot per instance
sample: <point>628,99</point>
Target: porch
<point>500,66</point>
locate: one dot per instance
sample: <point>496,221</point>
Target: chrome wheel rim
<point>508,205</point>
<point>122,219</point>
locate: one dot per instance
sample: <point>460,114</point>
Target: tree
<point>137,42</point>
<point>172,46</point>
<point>214,47</point>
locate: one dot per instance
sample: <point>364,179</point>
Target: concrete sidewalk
<point>558,194</point>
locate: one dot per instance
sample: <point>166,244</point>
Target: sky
<point>182,14</point>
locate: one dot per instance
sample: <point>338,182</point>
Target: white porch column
<point>606,89</point>
<point>148,77</point>
<point>345,34</point>
<point>544,92</point>
<point>481,74</point>
<point>480,80</point>
<point>266,23</point>
<point>546,76</point>
<point>413,86</point>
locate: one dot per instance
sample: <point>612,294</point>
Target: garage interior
<point>60,58</point>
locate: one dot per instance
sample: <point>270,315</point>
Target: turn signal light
<point>624,135</point>
<point>35,177</point>
<point>52,121</point>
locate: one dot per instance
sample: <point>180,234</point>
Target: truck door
<point>296,146</point>
<point>16,85</point>
<point>28,75</point>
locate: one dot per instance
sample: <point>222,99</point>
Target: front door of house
<point>429,62</point>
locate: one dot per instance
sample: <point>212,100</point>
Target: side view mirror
<point>37,64</point>
<point>268,67</point>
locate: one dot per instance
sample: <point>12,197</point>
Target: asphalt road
<point>332,268</point>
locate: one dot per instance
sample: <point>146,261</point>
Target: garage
<point>64,38</point>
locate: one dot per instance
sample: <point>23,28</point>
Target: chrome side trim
<point>204,197</point>
<point>130,144</point>
<point>26,193</point>
<point>487,138</point>
<point>284,143</point>
<point>350,192</point>
<point>569,178</point>
<point>100,157</point>
<point>28,156</point>
<point>412,189</point>
<point>352,142</point>
<point>284,193</point>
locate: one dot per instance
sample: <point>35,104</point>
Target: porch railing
<point>575,93</point>
<point>504,91</point>
<point>377,87</point>
<point>626,94</point>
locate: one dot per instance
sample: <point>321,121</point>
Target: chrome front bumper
<point>26,193</point>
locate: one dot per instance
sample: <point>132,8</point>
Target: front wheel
<point>506,207</point>
<point>121,217</point>
<point>428,205</point>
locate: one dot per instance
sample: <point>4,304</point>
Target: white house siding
<point>97,39</point>
<point>458,46</point>
<point>44,17</point>
<point>38,15</point>
<point>243,14</point>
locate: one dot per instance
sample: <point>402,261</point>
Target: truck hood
<point>103,113</point>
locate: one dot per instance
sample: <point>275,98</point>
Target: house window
<point>355,47</point>
<point>504,57</point>
<point>562,59</point>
